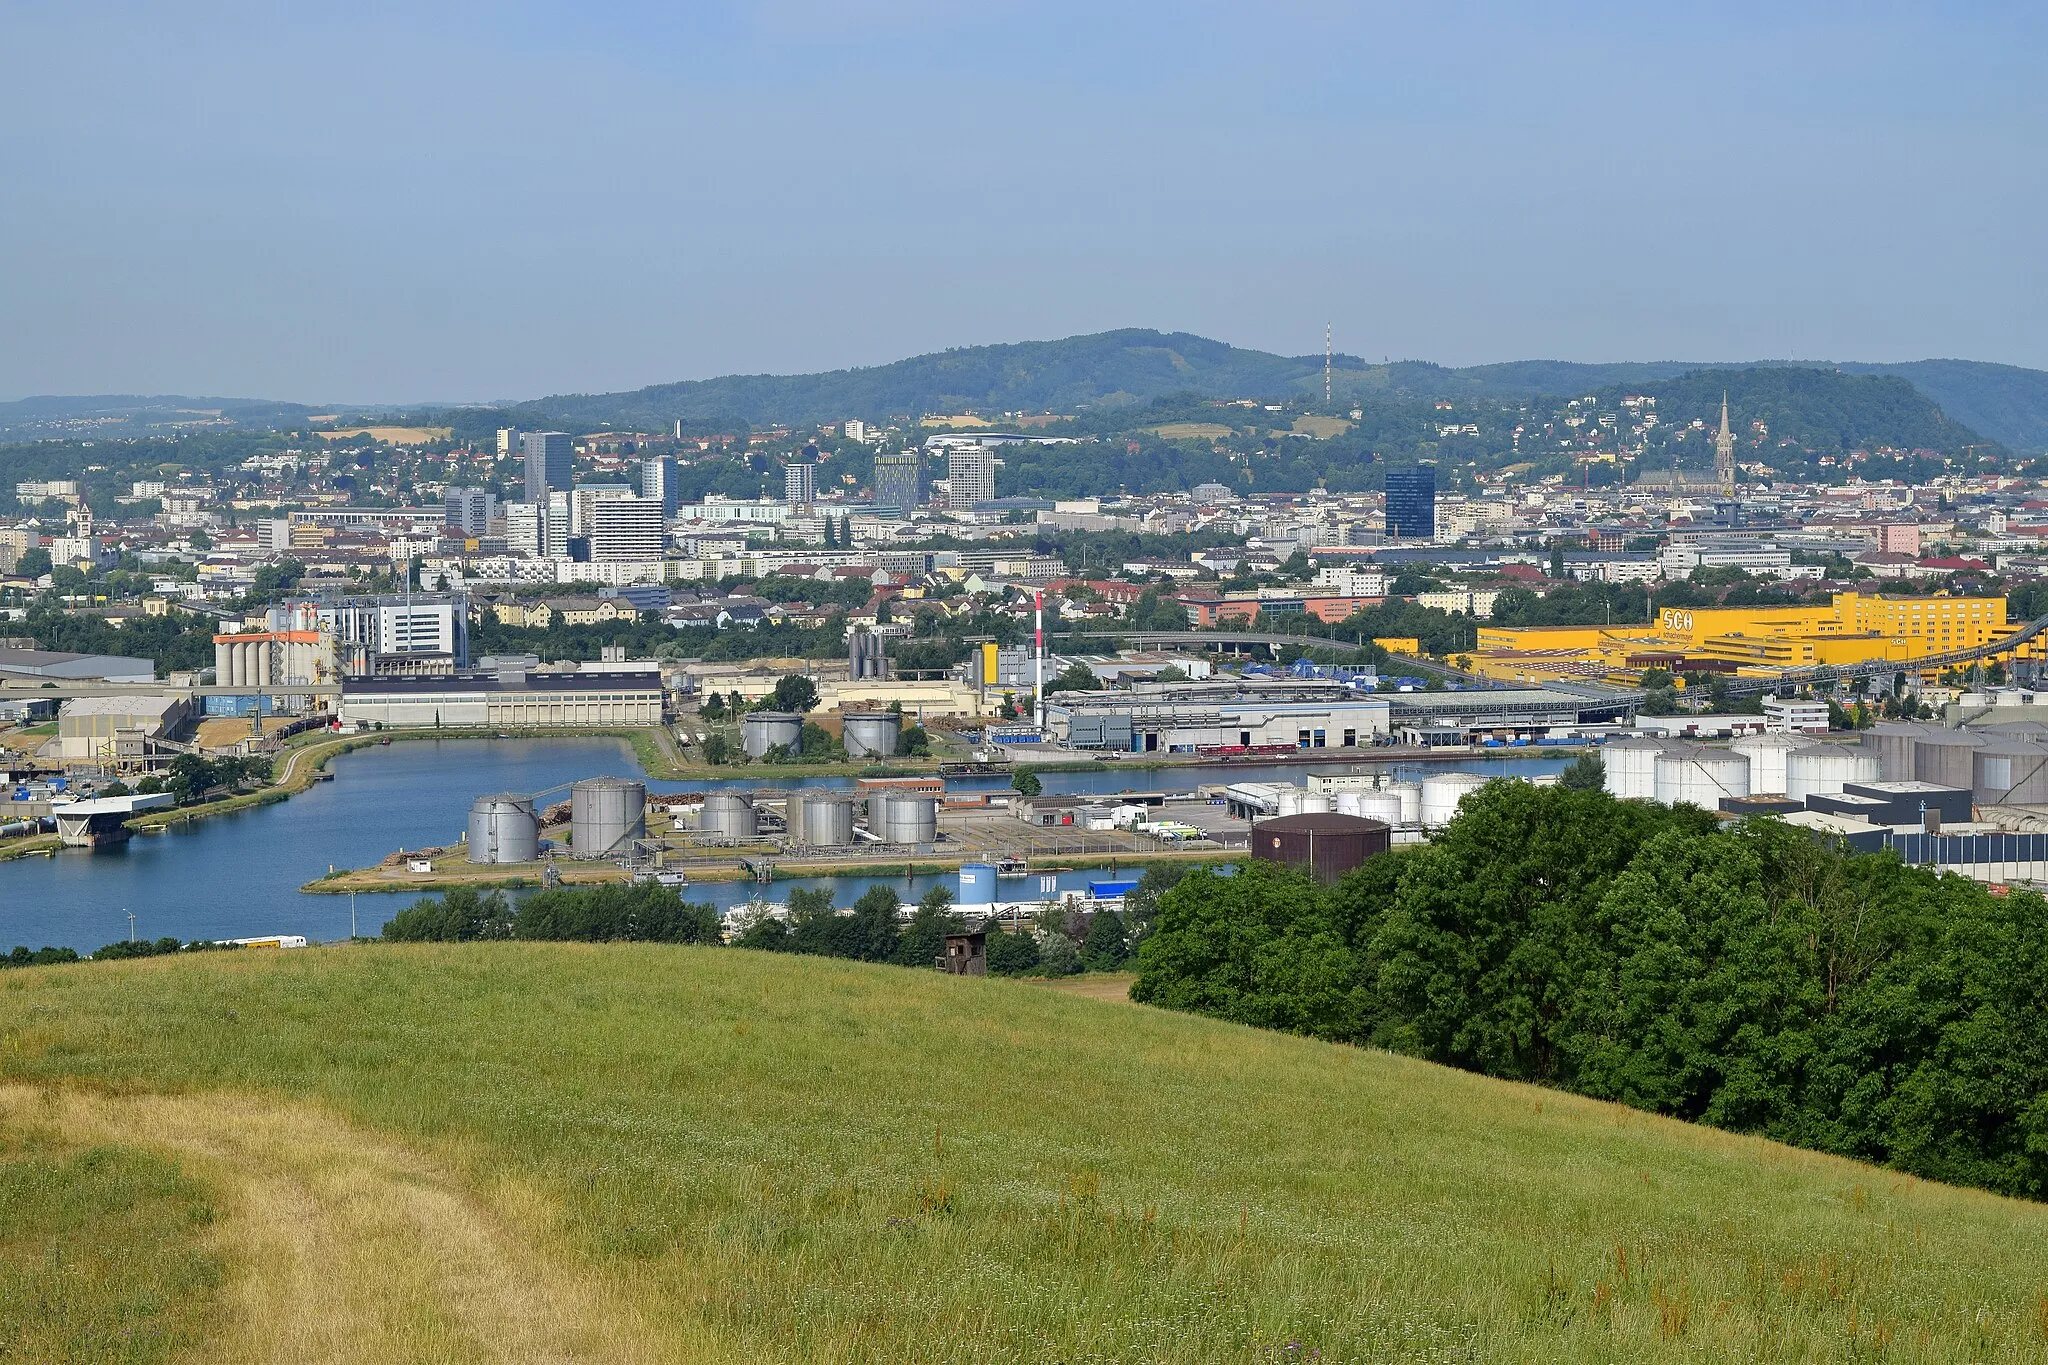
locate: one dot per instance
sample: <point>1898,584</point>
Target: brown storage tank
<point>1326,846</point>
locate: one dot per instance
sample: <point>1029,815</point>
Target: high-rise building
<point>525,528</point>
<point>550,462</point>
<point>659,480</point>
<point>970,475</point>
<point>799,484</point>
<point>586,496</point>
<point>468,510</point>
<point>557,524</point>
<point>624,529</point>
<point>508,440</point>
<point>1411,503</point>
<point>899,479</point>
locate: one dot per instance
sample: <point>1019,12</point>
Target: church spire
<point>1724,452</point>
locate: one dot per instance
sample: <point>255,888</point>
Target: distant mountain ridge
<point>2003,403</point>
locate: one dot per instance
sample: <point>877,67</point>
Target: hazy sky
<point>372,202</point>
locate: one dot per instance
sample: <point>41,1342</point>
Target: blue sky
<point>398,202</point>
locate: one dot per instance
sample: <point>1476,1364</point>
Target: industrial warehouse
<point>525,698</point>
<point>1192,718</point>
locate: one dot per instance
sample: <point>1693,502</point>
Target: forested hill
<point>2002,403</point>
<point>1130,366</point>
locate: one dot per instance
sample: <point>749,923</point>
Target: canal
<point>238,875</point>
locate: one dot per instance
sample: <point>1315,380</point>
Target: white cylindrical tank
<point>1315,803</point>
<point>503,829</point>
<point>1348,801</point>
<point>1821,769</point>
<point>1290,800</point>
<point>1380,805</point>
<point>828,821</point>
<point>1699,776</point>
<point>1410,794</point>
<point>731,815</point>
<point>1441,793</point>
<point>1766,755</point>
<point>2011,772</point>
<point>793,814</point>
<point>605,815</point>
<point>1631,766</point>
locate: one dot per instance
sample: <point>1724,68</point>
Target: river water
<point>238,876</point>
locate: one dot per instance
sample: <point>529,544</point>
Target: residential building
<point>799,484</point>
<point>970,475</point>
<point>625,529</point>
<point>660,480</point>
<point>468,510</point>
<point>525,528</point>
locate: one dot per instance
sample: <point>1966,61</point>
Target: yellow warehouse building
<point>1851,629</point>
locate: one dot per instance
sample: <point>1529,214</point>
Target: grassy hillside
<point>523,1151</point>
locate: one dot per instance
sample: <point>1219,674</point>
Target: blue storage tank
<point>977,884</point>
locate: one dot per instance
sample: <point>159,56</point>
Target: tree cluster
<point>638,913</point>
<point>1757,979</point>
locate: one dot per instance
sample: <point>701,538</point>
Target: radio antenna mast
<point>1326,364</point>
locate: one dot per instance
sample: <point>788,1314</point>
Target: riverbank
<point>304,758</point>
<point>392,876</point>
<point>45,844</point>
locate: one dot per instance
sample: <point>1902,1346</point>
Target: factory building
<point>49,665</point>
<point>92,729</point>
<point>1852,628</point>
<point>403,633</point>
<point>525,699</point>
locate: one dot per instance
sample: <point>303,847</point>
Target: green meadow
<point>549,1151</point>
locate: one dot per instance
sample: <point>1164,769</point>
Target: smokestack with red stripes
<point>1038,667</point>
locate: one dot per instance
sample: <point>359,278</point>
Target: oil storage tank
<point>2011,772</point>
<point>761,731</point>
<point>1441,793</point>
<point>1943,757</point>
<point>1323,844</point>
<point>1821,769</point>
<point>1767,755</point>
<point>1410,794</point>
<point>905,817</point>
<point>1893,742</point>
<point>605,815</point>
<point>1631,766</point>
<point>1699,776</point>
<point>828,821</point>
<point>731,815</point>
<point>871,734</point>
<point>793,814</point>
<point>503,829</point>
